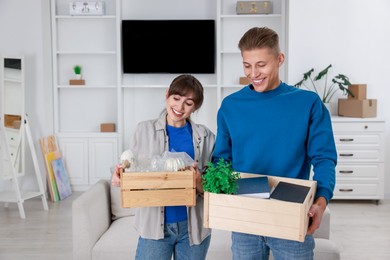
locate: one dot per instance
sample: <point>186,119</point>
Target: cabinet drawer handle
<point>346,154</point>
<point>346,140</point>
<point>345,171</point>
<point>346,190</point>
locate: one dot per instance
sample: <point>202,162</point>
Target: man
<point>271,128</point>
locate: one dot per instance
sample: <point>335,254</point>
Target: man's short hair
<point>260,37</point>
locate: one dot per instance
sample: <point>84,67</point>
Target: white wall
<point>352,35</point>
<point>24,30</point>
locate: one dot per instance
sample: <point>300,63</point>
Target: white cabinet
<point>88,159</point>
<point>93,42</point>
<point>360,147</point>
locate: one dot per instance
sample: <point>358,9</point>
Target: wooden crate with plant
<point>267,217</point>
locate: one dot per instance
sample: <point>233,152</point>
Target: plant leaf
<point>306,76</point>
<point>322,73</point>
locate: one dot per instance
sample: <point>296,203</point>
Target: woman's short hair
<point>186,84</point>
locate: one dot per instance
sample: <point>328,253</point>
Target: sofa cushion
<point>118,242</point>
<point>326,249</point>
<point>116,210</point>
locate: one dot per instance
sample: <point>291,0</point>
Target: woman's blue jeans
<point>175,242</point>
<point>251,247</point>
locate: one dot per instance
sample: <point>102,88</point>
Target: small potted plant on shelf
<point>326,93</point>
<point>77,71</point>
<point>220,178</point>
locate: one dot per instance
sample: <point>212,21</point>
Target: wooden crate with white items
<point>151,189</point>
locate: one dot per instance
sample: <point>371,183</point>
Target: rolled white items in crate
<point>127,159</point>
<point>166,162</point>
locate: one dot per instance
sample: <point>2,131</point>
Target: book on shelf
<point>257,187</point>
<point>290,192</point>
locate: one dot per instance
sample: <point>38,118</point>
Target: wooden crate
<point>150,189</point>
<point>258,216</point>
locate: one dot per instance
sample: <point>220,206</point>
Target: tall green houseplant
<point>326,92</point>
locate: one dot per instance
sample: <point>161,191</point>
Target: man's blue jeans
<point>250,247</point>
<point>175,242</point>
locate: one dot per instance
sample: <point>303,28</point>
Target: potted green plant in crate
<point>220,178</point>
<point>326,92</point>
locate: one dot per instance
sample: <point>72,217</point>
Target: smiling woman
<point>184,96</point>
<point>175,131</point>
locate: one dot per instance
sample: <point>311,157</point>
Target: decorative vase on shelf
<point>78,76</point>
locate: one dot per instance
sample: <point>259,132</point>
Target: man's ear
<point>280,59</point>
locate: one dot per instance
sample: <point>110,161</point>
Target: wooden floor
<point>361,229</point>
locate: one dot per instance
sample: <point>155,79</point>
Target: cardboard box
<point>107,127</point>
<point>151,189</point>
<point>359,91</point>
<point>11,120</point>
<point>253,7</point>
<point>266,217</point>
<point>77,82</point>
<point>244,81</point>
<point>357,108</point>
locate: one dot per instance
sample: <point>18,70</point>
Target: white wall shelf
<point>246,16</point>
<point>97,17</point>
<point>86,53</point>
<point>126,99</point>
<point>84,87</point>
<point>93,42</point>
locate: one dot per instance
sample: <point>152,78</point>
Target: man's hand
<point>315,214</point>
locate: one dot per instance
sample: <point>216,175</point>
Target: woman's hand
<point>198,179</point>
<point>116,176</point>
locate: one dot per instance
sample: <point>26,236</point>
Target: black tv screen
<point>168,46</point>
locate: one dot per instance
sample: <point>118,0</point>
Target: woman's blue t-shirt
<point>180,140</point>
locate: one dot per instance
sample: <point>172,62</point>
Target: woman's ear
<point>166,94</point>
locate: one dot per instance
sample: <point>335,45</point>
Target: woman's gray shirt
<point>150,138</point>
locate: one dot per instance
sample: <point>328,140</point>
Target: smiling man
<point>272,128</point>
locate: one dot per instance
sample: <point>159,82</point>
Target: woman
<point>176,230</point>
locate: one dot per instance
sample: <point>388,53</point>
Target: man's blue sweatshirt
<point>281,132</point>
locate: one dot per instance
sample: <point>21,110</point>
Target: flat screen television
<point>168,46</point>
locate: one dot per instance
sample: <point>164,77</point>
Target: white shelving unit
<point>126,99</point>
<point>93,42</point>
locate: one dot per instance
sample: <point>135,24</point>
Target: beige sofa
<point>101,230</point>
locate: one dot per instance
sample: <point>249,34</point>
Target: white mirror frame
<point>12,84</point>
